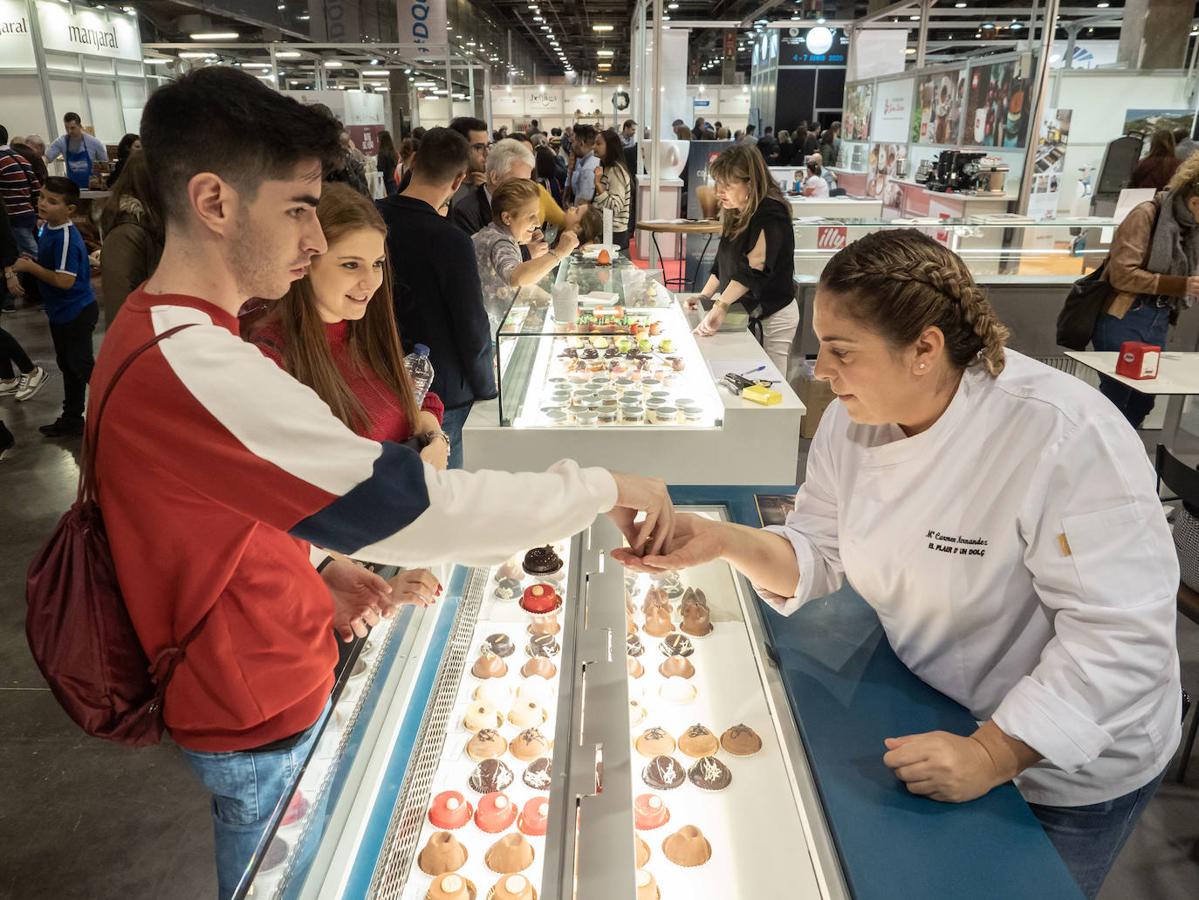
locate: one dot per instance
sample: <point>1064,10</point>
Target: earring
<point>922,365</point>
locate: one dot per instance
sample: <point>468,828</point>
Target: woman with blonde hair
<point>1153,267</point>
<point>335,331</point>
<point>1003,521</point>
<point>755,260</point>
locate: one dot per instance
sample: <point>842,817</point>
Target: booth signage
<point>16,41</point>
<point>88,31</point>
<point>423,23</point>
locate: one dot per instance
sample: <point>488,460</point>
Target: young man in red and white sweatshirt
<point>218,473</point>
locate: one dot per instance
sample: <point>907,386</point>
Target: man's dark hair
<point>769,130</point>
<point>522,137</point>
<point>72,117</point>
<point>749,129</point>
<point>227,122</point>
<point>442,156</point>
<point>585,134</point>
<point>69,190</point>
<point>464,125</point>
<point>556,132</point>
<point>418,132</point>
<point>628,122</point>
<point>3,135</point>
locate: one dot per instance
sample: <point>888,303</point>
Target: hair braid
<point>902,281</point>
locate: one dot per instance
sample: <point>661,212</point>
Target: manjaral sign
<point>89,31</point>
<point>16,40</point>
<point>423,24</point>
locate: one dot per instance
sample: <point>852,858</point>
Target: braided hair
<point>902,281</point>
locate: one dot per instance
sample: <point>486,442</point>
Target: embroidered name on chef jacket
<point>956,545</point>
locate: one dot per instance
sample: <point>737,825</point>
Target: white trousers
<point>778,332</point>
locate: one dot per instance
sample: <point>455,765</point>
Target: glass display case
<point>602,345</point>
<point>559,728</point>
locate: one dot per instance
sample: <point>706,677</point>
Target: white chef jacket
<point>1020,562</point>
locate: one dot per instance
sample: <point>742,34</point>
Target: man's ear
<point>213,201</point>
<point>457,183</point>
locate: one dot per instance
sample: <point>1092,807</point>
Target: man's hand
<point>649,495</point>
<point>712,321</point>
<point>1193,286</point>
<point>416,586</point>
<point>696,540</point>
<point>477,179</point>
<point>360,598</point>
<point>24,264</point>
<point>942,766</point>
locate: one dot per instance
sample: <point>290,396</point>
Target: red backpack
<point>77,625</point>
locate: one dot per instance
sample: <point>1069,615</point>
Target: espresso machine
<point>955,172</point>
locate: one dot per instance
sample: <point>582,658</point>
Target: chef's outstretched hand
<point>635,494</point>
<point>942,766</point>
<point>696,540</point>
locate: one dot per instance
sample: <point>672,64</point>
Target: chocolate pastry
<point>451,886</point>
<point>443,853</point>
<point>512,887</point>
<point>698,741</point>
<point>570,352</point>
<point>542,560</point>
<point>687,847</point>
<point>529,744</point>
<point>741,740</point>
<point>676,667</point>
<point>692,597</point>
<point>673,591</point>
<point>589,353</point>
<point>658,622</point>
<point>634,667</point>
<point>490,775</point>
<point>677,690</point>
<point>611,353</point>
<point>507,589</point>
<point>527,714</point>
<point>545,625</point>
<point>654,742</point>
<point>630,625</point>
<point>677,645</point>
<point>697,621</point>
<point>500,644</point>
<point>662,579</point>
<point>510,570</point>
<point>632,645</point>
<point>710,774</point>
<point>482,715</point>
<point>543,645</point>
<point>510,854</point>
<point>649,812</point>
<point>487,744</point>
<point>488,665</point>
<point>537,775</point>
<point>641,849</point>
<point>663,773</point>
<point>647,887</point>
<point>539,666</point>
<point>637,711</point>
<point>655,598</point>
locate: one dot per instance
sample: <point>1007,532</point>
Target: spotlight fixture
<point>215,36</point>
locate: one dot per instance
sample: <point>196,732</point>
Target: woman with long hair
<point>1004,522</point>
<point>814,184</point>
<point>613,185</point>
<point>131,235</point>
<point>1156,169</point>
<point>130,144</point>
<point>755,261</point>
<point>786,151</point>
<point>335,331</point>
<point>546,174</point>
<point>387,160</point>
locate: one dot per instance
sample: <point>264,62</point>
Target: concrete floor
<point>83,819</point>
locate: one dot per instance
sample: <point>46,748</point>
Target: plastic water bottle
<point>420,370</point>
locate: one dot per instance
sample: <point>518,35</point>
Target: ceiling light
<point>1102,5</point>
<point>282,6</point>
<point>821,20</point>
<point>910,51</point>
<point>380,87</point>
<point>187,54</point>
<point>508,88</point>
<point>304,18</point>
<point>288,54</point>
<point>334,64</point>
<point>604,66</point>
<point>255,65</point>
<point>424,84</point>
<point>215,36</point>
<point>538,19</point>
<point>605,52</point>
<point>959,6</point>
<point>377,73</point>
<point>153,61</point>
<point>602,27</point>
<point>672,6</point>
<point>913,18</point>
<point>988,27</point>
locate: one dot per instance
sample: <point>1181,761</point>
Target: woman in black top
<point>755,262</point>
<point>387,160</point>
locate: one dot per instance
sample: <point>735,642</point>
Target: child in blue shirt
<point>66,274</point>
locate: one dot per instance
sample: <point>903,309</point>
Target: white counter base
<point>755,445</point>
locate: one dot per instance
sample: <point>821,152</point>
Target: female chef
<point>1001,518</point>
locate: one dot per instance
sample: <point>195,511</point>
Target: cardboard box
<point>816,396</point>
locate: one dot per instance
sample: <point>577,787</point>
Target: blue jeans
<point>1147,324</point>
<point>451,423</point>
<point>26,243</point>
<point>1089,838</point>
<point>246,787</point>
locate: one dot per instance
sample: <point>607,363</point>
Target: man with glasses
<point>478,136</point>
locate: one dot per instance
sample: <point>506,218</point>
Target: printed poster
<point>998,106</point>
<point>855,117</point>
<point>940,104</point>
<point>882,170</point>
<point>1147,121</point>
<point>1049,164</point>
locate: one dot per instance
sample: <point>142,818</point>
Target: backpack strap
<point>91,445</point>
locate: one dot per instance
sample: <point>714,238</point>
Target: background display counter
<point>640,396</point>
<point>835,207</point>
<point>918,200</point>
<point>770,748</point>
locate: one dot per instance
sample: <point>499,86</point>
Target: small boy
<point>66,274</point>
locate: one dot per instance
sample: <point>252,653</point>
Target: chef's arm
<point>765,558</point>
<point>1009,755</point>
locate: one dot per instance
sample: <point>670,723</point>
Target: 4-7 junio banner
<point>423,23</point>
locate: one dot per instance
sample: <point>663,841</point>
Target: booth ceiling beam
<point>887,11</point>
<point>761,10</point>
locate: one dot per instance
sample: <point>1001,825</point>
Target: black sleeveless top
<point>770,289</point>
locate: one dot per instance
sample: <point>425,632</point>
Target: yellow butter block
<point>763,395</point>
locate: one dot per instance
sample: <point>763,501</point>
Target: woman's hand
<point>696,540</point>
<point>567,243</point>
<point>712,321</point>
<point>942,766</point>
<point>649,495</point>
<point>599,179</point>
<point>360,598</point>
<point>1193,286</point>
<point>437,452</point>
<point>419,587</point>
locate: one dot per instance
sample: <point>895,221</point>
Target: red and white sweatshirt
<point>217,471</point>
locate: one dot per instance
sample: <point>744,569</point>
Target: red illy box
<point>1137,360</point>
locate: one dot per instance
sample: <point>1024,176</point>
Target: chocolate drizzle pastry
<point>677,645</point>
<point>632,645</point>
<point>589,353</point>
<point>537,775</point>
<point>710,774</point>
<point>543,645</point>
<point>507,589</point>
<point>490,775</point>
<point>741,740</point>
<point>500,644</point>
<point>542,561</point>
<point>663,773</point>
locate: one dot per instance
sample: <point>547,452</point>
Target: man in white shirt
<point>80,150</point>
<point>583,164</point>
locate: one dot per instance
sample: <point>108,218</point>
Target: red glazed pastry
<point>495,812</point>
<point>540,598</point>
<point>534,817</point>
<point>449,810</point>
<point>650,812</point>
<point>296,809</point>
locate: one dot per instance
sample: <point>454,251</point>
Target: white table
<point>1177,379</point>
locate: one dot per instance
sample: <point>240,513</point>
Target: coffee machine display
<point>955,172</point>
